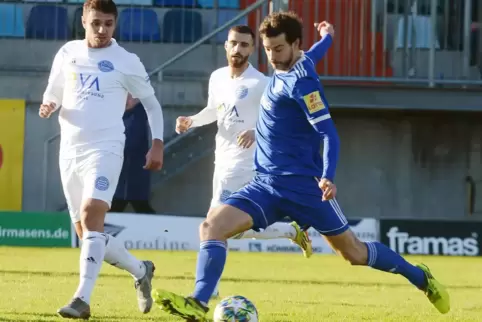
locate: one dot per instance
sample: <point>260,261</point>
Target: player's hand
<point>46,110</point>
<point>328,188</point>
<point>246,139</point>
<point>155,156</point>
<point>325,28</point>
<point>183,123</point>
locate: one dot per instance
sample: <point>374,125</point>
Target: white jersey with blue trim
<point>236,102</point>
<point>91,86</point>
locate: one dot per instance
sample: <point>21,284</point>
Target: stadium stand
<point>78,31</point>
<point>222,4</point>
<point>176,3</point>
<point>11,21</point>
<point>223,17</point>
<point>182,26</point>
<point>138,24</point>
<point>47,22</point>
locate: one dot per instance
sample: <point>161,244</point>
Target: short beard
<point>237,64</point>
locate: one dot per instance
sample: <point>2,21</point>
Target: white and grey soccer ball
<point>235,308</point>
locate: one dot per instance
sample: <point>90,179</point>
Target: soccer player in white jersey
<point>89,81</point>
<point>234,96</point>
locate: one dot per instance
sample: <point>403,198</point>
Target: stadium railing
<point>420,42</point>
<point>425,42</point>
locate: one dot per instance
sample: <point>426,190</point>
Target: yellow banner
<point>12,120</point>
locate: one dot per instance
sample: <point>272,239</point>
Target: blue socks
<point>212,258</point>
<point>210,265</point>
<point>384,259</point>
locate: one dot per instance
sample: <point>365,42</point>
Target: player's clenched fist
<point>183,123</point>
<point>46,110</point>
<point>246,139</point>
<point>325,28</point>
<point>328,188</point>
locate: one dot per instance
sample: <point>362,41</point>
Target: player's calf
<point>381,257</point>
<point>348,246</point>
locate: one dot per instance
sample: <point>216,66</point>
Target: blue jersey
<point>294,116</point>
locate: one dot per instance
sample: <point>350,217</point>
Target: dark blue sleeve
<point>319,49</point>
<point>309,95</point>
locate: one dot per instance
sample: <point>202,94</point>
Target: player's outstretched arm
<point>208,114</point>
<point>53,95</point>
<point>319,49</point>
<point>309,95</point>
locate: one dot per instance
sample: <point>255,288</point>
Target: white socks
<point>91,257</point>
<point>274,231</point>
<point>117,255</point>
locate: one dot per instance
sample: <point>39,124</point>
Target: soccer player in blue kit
<point>292,179</point>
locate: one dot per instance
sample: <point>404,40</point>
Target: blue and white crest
<point>105,66</point>
<point>101,183</point>
<point>241,92</point>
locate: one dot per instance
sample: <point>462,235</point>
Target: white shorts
<point>225,183</point>
<point>91,176</point>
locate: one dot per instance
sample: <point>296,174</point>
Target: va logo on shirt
<point>234,111</point>
<point>313,102</point>
<point>241,92</point>
<point>101,183</point>
<point>105,66</point>
<point>88,81</point>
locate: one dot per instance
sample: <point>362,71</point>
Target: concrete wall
<point>392,164</point>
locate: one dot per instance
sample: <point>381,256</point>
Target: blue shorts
<point>268,199</point>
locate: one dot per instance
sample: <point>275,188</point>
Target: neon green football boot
<point>187,308</point>
<point>303,240</point>
<point>437,293</point>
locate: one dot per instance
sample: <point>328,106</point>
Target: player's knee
<point>224,222</point>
